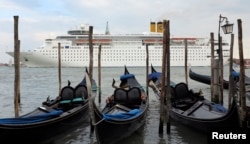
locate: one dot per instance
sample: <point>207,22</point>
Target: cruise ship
<point>118,50</point>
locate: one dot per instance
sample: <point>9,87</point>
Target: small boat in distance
<point>194,110</point>
<point>124,113</point>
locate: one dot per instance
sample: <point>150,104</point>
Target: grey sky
<point>41,19</point>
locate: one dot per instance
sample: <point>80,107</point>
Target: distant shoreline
<point>246,62</point>
<point>4,64</point>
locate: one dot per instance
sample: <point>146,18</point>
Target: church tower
<point>107,29</point>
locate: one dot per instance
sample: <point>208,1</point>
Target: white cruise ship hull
<point>35,59</point>
<point>118,50</point>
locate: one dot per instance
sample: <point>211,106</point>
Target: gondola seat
<point>181,91</point>
<point>130,98</point>
<point>172,93</point>
<point>120,96</point>
<point>80,94</point>
<point>67,94</point>
<point>134,96</point>
<point>183,97</point>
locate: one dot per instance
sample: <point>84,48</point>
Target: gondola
<point>53,118</point>
<point>194,110</point>
<point>206,79</point>
<point>124,113</point>
<point>154,79</point>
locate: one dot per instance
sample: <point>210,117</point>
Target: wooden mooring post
<point>221,73</point>
<point>91,53</point>
<point>231,80</point>
<point>186,60</point>
<point>168,96</point>
<point>147,61</point>
<point>17,98</point>
<point>99,73</point>
<point>212,67</point>
<point>92,127</point>
<point>165,93</point>
<point>215,73</point>
<point>242,79</point>
<point>216,83</point>
<point>59,69</point>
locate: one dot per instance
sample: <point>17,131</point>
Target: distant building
<point>246,62</point>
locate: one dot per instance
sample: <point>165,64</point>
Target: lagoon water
<point>39,83</point>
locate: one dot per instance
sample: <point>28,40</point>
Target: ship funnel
<point>152,27</point>
<point>160,27</point>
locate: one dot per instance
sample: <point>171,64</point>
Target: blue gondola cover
<point>31,119</point>
<point>154,75</point>
<point>128,115</point>
<point>126,76</point>
<point>219,108</point>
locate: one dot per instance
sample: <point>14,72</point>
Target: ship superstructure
<point>119,49</point>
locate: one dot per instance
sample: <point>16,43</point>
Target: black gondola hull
<point>193,110</point>
<point>230,119</point>
<point>205,79</point>
<point>124,114</point>
<point>45,130</point>
<point>111,132</point>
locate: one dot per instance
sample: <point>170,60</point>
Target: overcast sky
<point>41,19</point>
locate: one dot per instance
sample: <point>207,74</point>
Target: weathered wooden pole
<point>90,74</point>
<point>17,67</point>
<point>231,80</point>
<point>90,52</point>
<point>216,84</point>
<point>212,66</point>
<point>147,61</point>
<point>186,59</point>
<point>168,97</point>
<point>215,71</point>
<point>165,93</point>
<point>91,101</point>
<point>221,77</point>
<point>162,113</point>
<point>99,72</point>
<point>59,68</point>
<point>242,74</point>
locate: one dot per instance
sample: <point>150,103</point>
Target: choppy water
<point>38,83</point>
